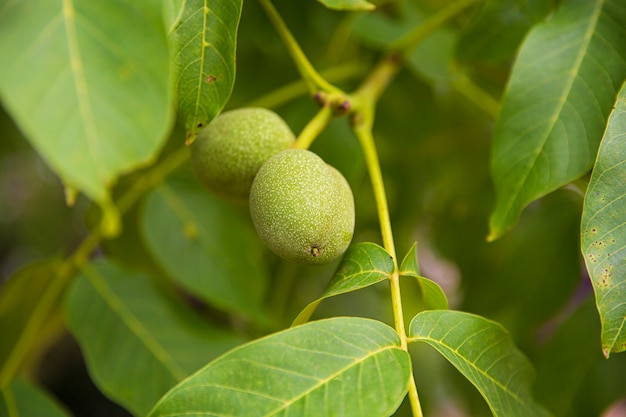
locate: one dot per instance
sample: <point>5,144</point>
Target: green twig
<point>312,78</point>
<point>299,88</point>
<point>315,126</point>
<point>434,22</point>
<point>77,260</point>
<point>364,100</point>
<point>463,84</point>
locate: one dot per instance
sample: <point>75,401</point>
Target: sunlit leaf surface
<point>349,367</point>
<point>88,84</point>
<point>485,354</point>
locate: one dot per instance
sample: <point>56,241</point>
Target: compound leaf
<point>363,264</point>
<point>558,98</point>
<point>203,35</point>
<point>341,366</point>
<point>137,342</point>
<point>604,230</point>
<point>485,354</point>
<point>88,83</point>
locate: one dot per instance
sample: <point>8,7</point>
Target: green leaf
<point>20,399</point>
<point>203,35</point>
<point>557,101</point>
<point>432,296</point>
<point>485,354</point>
<point>362,265</point>
<point>29,303</point>
<point>499,28</point>
<point>604,231</point>
<point>88,84</point>
<point>348,4</point>
<point>137,342</point>
<point>206,246</point>
<point>336,367</point>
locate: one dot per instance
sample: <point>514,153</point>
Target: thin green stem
<point>315,126</point>
<point>463,84</point>
<point>312,78</point>
<point>364,101</point>
<point>76,260</point>
<point>411,39</point>
<point>299,88</point>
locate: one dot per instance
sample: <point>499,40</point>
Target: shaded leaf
<point>29,303</point>
<point>137,342</point>
<point>499,28</point>
<point>362,265</point>
<point>604,230</point>
<point>20,399</point>
<point>485,354</point>
<point>203,35</point>
<point>556,104</point>
<point>348,4</point>
<point>88,84</point>
<point>432,296</point>
<point>206,246</point>
<point>340,366</point>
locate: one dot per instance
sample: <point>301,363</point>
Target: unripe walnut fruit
<point>228,153</point>
<point>302,207</point>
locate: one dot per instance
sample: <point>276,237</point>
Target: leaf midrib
<point>558,110</point>
<point>80,85</point>
<point>134,326</point>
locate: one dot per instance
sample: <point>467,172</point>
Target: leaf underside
<point>340,366</point>
<point>88,84</point>
<point>604,230</point>
<point>558,98</point>
<point>485,354</point>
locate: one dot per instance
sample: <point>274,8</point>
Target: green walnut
<point>228,152</point>
<point>302,208</point>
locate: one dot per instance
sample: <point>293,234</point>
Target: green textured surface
<point>485,354</point>
<point>302,208</point>
<point>228,153</point>
<point>203,37</point>
<point>346,366</point>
